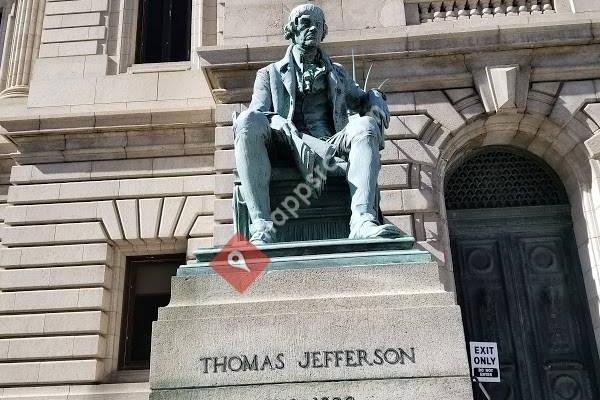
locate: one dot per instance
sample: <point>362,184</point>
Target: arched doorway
<point>518,277</point>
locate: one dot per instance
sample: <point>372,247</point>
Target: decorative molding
<point>449,10</point>
<point>110,121</point>
<point>110,135</point>
<point>422,59</point>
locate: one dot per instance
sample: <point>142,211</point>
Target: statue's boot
<point>263,232</point>
<point>372,230</point>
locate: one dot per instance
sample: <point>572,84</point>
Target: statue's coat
<point>275,91</point>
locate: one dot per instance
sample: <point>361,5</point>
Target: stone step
<point>310,283</point>
<point>320,247</point>
<point>321,261</point>
<point>447,388</point>
<point>177,310</point>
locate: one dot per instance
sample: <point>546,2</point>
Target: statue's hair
<point>291,27</point>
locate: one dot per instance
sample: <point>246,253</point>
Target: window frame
<point>140,56</point>
<point>132,265</point>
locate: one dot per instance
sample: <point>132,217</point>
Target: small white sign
<point>485,365</point>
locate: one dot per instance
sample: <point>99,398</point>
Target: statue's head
<point>306,26</point>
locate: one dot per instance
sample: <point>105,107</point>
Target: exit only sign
<point>485,365</point>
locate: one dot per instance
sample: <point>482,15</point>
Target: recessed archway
<point>517,273</point>
<point>556,147</point>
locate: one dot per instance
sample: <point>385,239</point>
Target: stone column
<point>10,26</point>
<point>24,30</point>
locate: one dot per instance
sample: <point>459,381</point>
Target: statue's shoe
<point>371,230</point>
<point>262,238</point>
<point>264,232</point>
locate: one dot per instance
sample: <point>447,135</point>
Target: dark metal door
<point>519,283</point>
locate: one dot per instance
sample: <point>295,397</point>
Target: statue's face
<point>309,32</point>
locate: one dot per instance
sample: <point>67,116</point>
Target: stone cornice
<point>112,121</point>
<point>428,56</point>
<point>110,135</point>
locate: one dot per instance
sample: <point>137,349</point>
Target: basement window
<point>147,287</point>
<point>164,31</point>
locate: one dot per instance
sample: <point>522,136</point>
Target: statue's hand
<point>378,108</point>
<point>280,124</point>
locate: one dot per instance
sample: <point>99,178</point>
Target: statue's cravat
<point>313,79</point>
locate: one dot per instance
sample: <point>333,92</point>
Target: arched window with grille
<point>496,177</point>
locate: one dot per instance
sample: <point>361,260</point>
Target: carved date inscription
<point>328,398</point>
<point>310,359</point>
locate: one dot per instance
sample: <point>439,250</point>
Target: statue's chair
<point>326,217</point>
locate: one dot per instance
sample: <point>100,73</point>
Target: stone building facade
<point>108,158</point>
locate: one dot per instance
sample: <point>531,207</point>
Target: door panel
<point>482,296</point>
<point>519,284</point>
<point>550,279</point>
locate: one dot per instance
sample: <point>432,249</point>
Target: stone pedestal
<point>337,319</point>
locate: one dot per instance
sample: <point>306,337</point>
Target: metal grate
<point>501,178</point>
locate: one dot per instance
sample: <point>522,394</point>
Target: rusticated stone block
<point>418,200</point>
<point>224,137</point>
<point>404,222</point>
<point>223,210</point>
<point>224,185</point>
<point>224,113</point>
<point>222,233</point>
<point>224,160</point>
<point>393,176</point>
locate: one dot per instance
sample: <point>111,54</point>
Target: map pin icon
<point>236,259</point>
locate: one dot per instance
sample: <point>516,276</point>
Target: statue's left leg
<point>360,141</point>
<point>361,144</point>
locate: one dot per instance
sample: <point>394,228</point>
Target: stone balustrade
<point>433,11</point>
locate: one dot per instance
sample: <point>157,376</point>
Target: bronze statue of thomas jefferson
<point>307,94</point>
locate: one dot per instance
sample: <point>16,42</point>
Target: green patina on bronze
<point>309,123</point>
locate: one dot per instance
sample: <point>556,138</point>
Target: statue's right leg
<point>252,136</point>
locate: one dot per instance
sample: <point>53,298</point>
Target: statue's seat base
<point>326,217</point>
<point>284,173</point>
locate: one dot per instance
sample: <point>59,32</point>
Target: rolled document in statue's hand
<point>314,158</point>
<point>304,156</point>
<point>323,149</point>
